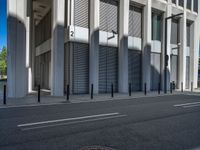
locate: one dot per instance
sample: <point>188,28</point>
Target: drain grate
<point>96,148</point>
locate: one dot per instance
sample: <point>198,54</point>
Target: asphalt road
<point>160,123</point>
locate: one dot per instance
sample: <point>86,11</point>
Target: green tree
<point>3,61</point>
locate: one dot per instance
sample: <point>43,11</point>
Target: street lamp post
<point>165,52</point>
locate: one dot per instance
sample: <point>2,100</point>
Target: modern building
<point>80,43</point>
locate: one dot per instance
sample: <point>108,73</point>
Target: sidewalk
<point>46,99</point>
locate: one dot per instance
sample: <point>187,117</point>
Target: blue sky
<point>3,26</point>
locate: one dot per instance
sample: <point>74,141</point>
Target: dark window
<point>189,4</point>
<point>156,26</point>
<point>174,32</point>
<point>188,34</point>
<point>196,6</point>
<point>174,1</point>
<point>181,3</point>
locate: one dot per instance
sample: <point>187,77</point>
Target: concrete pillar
<point>168,13</point>
<point>123,46</point>
<point>57,53</point>
<point>17,71</point>
<point>182,52</point>
<point>94,45</point>
<point>146,54</point>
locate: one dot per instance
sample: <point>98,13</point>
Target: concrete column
<point>168,13</point>
<point>146,54</point>
<point>123,46</point>
<point>57,53</point>
<point>194,51</point>
<point>182,52</point>
<point>17,71</point>
<point>94,45</point>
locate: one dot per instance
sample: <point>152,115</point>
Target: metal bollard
<point>145,89</point>
<point>92,92</point>
<point>191,86</point>
<point>67,92</point>
<point>112,92</point>
<point>38,93</point>
<point>182,87</point>
<point>158,88</point>
<point>130,89</point>
<point>4,95</point>
<point>171,87</point>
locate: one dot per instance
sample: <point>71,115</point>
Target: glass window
<point>174,1</point>
<point>181,3</point>
<point>196,6</point>
<point>189,4</point>
<point>174,32</point>
<point>188,34</point>
<point>156,26</point>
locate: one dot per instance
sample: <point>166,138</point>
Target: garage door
<point>134,67</point>
<point>80,68</point>
<point>174,69</point>
<point>155,70</point>
<point>108,69</point>
<point>187,72</point>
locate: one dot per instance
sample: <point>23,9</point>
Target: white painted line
<point>180,105</point>
<point>74,122</point>
<point>67,119</point>
<point>189,106</point>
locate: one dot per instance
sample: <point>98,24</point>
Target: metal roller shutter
<point>80,68</point>
<point>109,15</point>
<point>135,71</point>
<point>108,69</point>
<point>187,72</point>
<point>81,11</point>
<point>135,22</point>
<point>174,69</point>
<point>155,70</point>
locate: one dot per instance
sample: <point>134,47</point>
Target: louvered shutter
<point>80,68</point>
<point>135,71</point>
<point>109,15</point>
<point>155,70</point>
<point>174,69</point>
<point>135,22</point>
<point>81,11</point>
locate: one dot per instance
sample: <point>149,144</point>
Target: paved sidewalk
<point>46,99</point>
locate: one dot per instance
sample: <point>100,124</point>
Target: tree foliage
<point>3,61</point>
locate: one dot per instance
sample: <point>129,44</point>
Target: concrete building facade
<point>80,43</point>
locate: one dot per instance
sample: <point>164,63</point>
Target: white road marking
<point>67,119</point>
<point>189,106</point>
<point>73,122</point>
<point>186,104</point>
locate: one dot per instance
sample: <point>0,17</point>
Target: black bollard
<point>158,88</point>
<point>38,93</point>
<point>112,92</point>
<point>4,94</point>
<point>130,89</point>
<point>92,88</point>
<point>145,89</point>
<point>171,87</point>
<point>67,92</point>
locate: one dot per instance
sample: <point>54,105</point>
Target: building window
<point>174,1</point>
<point>181,3</point>
<point>196,6</point>
<point>174,32</point>
<point>188,35</point>
<point>189,4</point>
<point>156,26</point>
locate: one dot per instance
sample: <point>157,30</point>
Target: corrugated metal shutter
<point>108,69</point>
<point>135,71</point>
<point>81,11</point>
<point>109,15</point>
<point>155,70</point>
<point>187,72</point>
<point>135,22</point>
<point>174,69</point>
<point>80,68</point>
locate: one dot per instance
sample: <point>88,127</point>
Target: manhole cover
<point>96,148</point>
